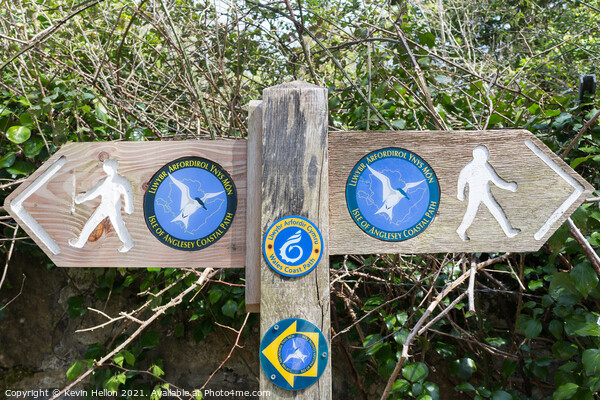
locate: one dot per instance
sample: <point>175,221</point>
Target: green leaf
<point>399,123</point>
<point>584,278</point>
<point>7,160</point>
<point>33,147</point>
<point>129,358</point>
<point>556,328</point>
<point>581,328</point>
<point>528,326</point>
<point>401,386</point>
<point>432,389</point>
<point>508,368</point>
<point>18,134</point>
<point>149,339</point>
<point>565,391</point>
<point>75,307</point>
<point>21,168</point>
<point>564,350</point>
<point>75,370</point>
<point>463,368</point>
<point>230,308</point>
<point>215,294</point>
<point>415,372</point>
<point>121,378</point>
<point>465,387</point>
<point>501,395</point>
<point>373,343</point>
<point>119,358</point>
<point>156,370</point>
<point>591,361</point>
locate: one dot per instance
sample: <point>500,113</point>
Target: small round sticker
<point>293,354</point>
<point>293,246</point>
<point>392,194</point>
<point>190,203</point>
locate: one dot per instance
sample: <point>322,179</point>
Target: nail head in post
<point>103,156</point>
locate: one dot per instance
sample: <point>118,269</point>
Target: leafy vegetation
<point>174,69</point>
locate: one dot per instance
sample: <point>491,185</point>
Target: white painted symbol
<point>478,174</point>
<point>110,189</point>
<point>389,195</point>
<point>562,209</point>
<point>297,354</point>
<point>290,245</point>
<point>17,205</point>
<point>189,205</point>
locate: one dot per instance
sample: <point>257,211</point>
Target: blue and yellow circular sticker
<point>392,194</point>
<point>190,203</point>
<point>293,246</point>
<point>293,354</point>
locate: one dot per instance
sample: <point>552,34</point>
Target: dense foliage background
<point>97,70</point>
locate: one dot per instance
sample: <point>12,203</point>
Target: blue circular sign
<point>392,194</point>
<point>293,354</point>
<point>293,246</point>
<point>190,203</point>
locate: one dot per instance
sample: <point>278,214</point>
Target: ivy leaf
<point>415,372</point>
<point>75,370</point>
<point>18,134</point>
<point>21,168</point>
<point>584,278</point>
<point>501,395</point>
<point>463,368</point>
<point>528,326</point>
<point>230,308</point>
<point>373,343</point>
<point>401,386</point>
<point>565,391</point>
<point>7,160</point>
<point>591,361</point>
<point>33,147</point>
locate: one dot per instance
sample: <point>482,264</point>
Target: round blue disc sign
<point>293,246</point>
<point>392,194</point>
<point>293,354</point>
<point>190,203</point>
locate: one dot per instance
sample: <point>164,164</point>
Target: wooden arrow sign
<point>132,204</point>
<point>431,192</point>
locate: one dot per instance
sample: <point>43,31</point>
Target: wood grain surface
<point>254,207</point>
<point>540,191</point>
<point>294,182</point>
<point>54,208</point>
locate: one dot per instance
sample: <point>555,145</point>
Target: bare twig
<point>417,328</point>
<point>158,312</point>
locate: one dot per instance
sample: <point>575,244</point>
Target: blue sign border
<point>352,204</point>
<point>265,250</point>
<point>149,197</point>
<point>322,354</point>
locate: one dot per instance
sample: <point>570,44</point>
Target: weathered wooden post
<point>295,183</point>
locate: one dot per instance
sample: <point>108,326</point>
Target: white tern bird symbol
<point>297,354</point>
<point>189,205</point>
<point>391,196</point>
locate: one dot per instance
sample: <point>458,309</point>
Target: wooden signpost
<point>47,205</point>
<point>281,203</point>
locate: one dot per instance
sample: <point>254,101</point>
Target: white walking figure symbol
<point>110,189</point>
<point>477,174</point>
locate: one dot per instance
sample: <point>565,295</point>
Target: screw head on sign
<point>275,327</point>
<point>273,377</point>
<point>324,355</point>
